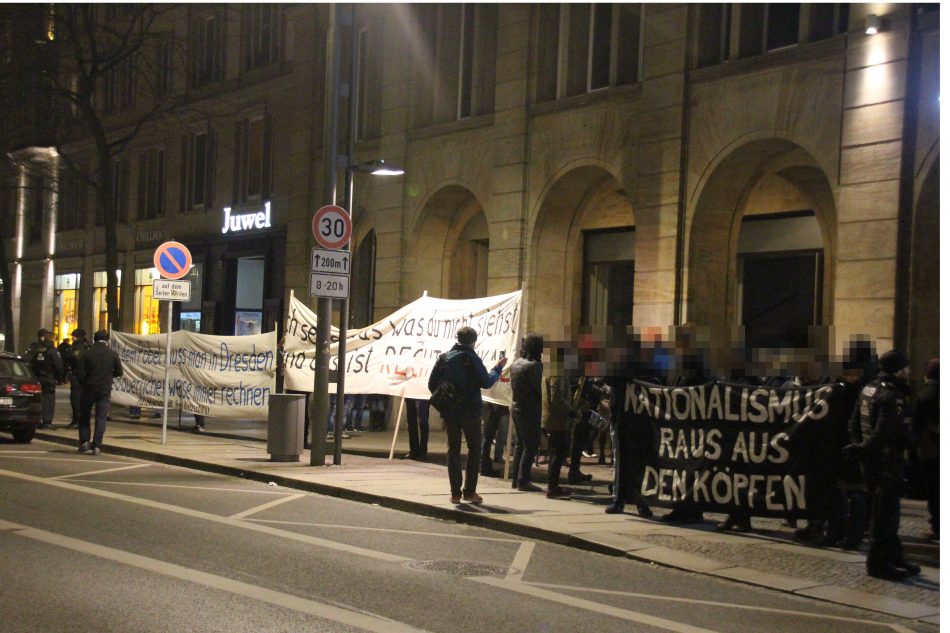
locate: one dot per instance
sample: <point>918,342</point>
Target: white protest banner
<point>215,376</point>
<point>394,356</point>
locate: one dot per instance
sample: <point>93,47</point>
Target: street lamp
<point>377,167</point>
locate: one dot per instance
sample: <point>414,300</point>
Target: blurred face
<point>904,373</point>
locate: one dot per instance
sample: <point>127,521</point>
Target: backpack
<point>447,395</point>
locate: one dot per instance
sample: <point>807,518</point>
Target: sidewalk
<point>768,557</point>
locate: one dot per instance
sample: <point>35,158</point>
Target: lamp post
<point>376,167</point>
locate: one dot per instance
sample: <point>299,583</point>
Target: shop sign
<point>239,222</point>
<point>152,236</point>
<point>75,245</point>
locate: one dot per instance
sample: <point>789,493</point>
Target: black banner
<point>722,447</point>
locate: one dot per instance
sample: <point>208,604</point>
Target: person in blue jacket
<point>463,368</point>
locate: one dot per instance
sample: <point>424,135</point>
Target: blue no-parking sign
<point>173,260</point>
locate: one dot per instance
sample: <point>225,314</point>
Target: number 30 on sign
<point>332,227</point>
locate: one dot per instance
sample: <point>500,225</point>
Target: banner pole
<point>168,355</point>
<point>392,447</point>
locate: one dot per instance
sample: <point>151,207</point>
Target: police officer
<point>79,347</point>
<point>883,412</point>
<point>47,364</point>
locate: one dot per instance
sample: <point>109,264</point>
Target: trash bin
<point>285,420</point>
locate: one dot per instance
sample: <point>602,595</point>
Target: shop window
<point>121,170</point>
<point>461,45</point>
<point>249,296</point>
<point>189,317</point>
<point>72,201</point>
<point>607,293</point>
<point>65,305</point>
<point>100,306</point>
<point>363,278</point>
<point>146,307</point>
<point>261,26</point>
<point>206,46</point>
<point>587,47</point>
<point>252,160</point>
<point>151,189</point>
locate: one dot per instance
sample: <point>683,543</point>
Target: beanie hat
<point>893,361</point>
<point>43,332</point>
<point>933,369</point>
<point>466,335</point>
<point>101,335</point>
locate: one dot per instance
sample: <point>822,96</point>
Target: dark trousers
<point>885,547</point>
<point>930,472</point>
<point>559,443</point>
<point>101,401</point>
<point>472,429</point>
<point>581,432</point>
<point>492,423</point>
<point>528,436</point>
<point>417,418</point>
<point>848,523</point>
<point>75,398</point>
<point>48,403</point>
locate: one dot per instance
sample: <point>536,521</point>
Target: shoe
<point>676,516</point>
<point>848,544</point>
<point>725,526</point>
<point>644,512</point>
<point>529,488</point>
<point>455,499</point>
<point>198,429</point>
<point>406,456</point>
<point>473,498</point>
<point>614,508</point>
<point>588,455</point>
<point>488,472</point>
<point>909,568</point>
<point>95,451</point>
<point>72,426</point>
<point>742,526</point>
<point>577,477</point>
<point>887,572</point>
<point>557,493</point>
<point>85,447</point>
<point>45,425</point>
<point>421,458</point>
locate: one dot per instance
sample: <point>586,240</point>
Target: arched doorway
<point>761,241</point>
<point>449,253</point>
<point>582,253</point>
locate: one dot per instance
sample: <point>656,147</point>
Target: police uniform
<point>46,363</point>
<point>884,415</point>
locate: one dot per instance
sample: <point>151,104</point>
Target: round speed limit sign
<point>332,227</point>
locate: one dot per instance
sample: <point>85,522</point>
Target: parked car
<point>20,407</point>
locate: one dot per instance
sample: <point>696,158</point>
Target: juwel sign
<point>238,222</point>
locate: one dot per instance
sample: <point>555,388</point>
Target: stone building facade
<point>655,164</point>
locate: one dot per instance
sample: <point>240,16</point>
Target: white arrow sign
<point>332,262</point>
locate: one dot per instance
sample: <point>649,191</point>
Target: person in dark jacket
<point>47,364</point>
<point>79,347</point>
<point>884,415</point>
<point>526,410</point>
<point>927,429</point>
<point>97,367</point>
<point>463,368</point>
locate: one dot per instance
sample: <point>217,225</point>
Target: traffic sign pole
<point>168,358</point>
<point>173,261</point>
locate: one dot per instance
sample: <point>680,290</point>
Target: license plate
<point>6,402</point>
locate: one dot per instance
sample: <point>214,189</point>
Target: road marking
<point>3,452</point>
<point>716,603</point>
<point>265,506</point>
<point>151,485</point>
<point>79,458</point>
<point>391,530</point>
<point>99,472</point>
<point>362,620</point>
<point>520,562</point>
<point>214,518</point>
<point>596,607</point>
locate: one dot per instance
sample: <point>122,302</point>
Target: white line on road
<point>719,603</point>
<point>362,620</point>
<point>596,607</point>
<point>99,472</point>
<point>79,458</point>
<point>390,530</point>
<point>520,562</point>
<point>265,506</point>
<point>151,485</point>
<point>214,518</point>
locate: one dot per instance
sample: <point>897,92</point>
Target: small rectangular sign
<point>171,289</point>
<point>333,286</point>
<point>333,262</point>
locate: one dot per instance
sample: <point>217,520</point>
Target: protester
<point>882,408</point>
<point>281,364</point>
<point>491,438</point>
<point>417,419</point>
<point>927,429</point>
<point>76,351</point>
<point>557,415</point>
<point>580,431</point>
<point>96,370</point>
<point>526,374</point>
<point>462,367</point>
<point>47,364</point>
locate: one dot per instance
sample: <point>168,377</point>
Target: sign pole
<point>402,406</point>
<point>168,355</point>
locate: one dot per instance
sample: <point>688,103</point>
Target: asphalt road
<point>114,544</point>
